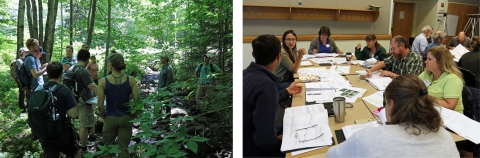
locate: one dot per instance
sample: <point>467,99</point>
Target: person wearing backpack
<point>14,72</point>
<point>204,72</point>
<point>117,88</point>
<point>61,137</point>
<point>32,64</point>
<point>84,88</point>
<point>165,77</point>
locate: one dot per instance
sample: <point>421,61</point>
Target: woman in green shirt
<point>443,79</point>
<point>372,50</point>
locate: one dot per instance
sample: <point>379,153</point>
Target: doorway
<point>403,19</point>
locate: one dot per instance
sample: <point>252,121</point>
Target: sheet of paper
<point>341,69</point>
<point>307,56</point>
<point>319,86</point>
<point>380,83</point>
<point>305,127</point>
<point>316,95</point>
<point>326,55</point>
<point>354,62</point>
<point>375,99</point>
<point>306,63</point>
<point>466,127</point>
<point>339,60</point>
<point>351,94</point>
<point>298,152</point>
<point>447,114</point>
<point>458,52</point>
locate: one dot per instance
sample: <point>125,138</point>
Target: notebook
<point>379,83</point>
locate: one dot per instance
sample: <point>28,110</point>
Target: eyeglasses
<point>291,39</point>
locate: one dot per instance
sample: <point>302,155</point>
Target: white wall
<point>344,45</point>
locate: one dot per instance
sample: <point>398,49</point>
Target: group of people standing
<point>423,77</point>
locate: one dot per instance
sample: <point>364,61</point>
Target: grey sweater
<point>285,69</point>
<point>394,141</point>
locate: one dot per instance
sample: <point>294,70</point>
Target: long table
<point>358,111</point>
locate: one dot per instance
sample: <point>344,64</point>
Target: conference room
<point>333,46</point>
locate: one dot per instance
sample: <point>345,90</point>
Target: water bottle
<point>299,3</point>
<point>339,109</point>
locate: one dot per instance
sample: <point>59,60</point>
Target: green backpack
<point>43,115</point>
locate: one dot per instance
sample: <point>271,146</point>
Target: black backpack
<point>43,115</point>
<point>25,76</point>
<point>69,80</point>
<point>211,67</point>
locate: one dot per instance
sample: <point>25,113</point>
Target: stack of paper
<point>326,55</point>
<point>380,83</point>
<point>339,60</point>
<point>305,127</point>
<point>350,129</point>
<point>460,124</point>
<point>319,95</point>
<point>375,99</point>
<point>458,52</point>
<point>319,86</point>
<point>354,62</point>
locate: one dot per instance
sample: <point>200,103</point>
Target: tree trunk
<point>29,18</point>
<point>61,30</point>
<point>40,22</point>
<point>108,36</point>
<point>20,26</point>
<point>71,22</point>
<point>91,22</point>
<point>34,19</point>
<point>89,14</point>
<point>50,29</point>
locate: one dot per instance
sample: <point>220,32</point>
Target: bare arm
<point>93,87</point>
<point>376,67</point>
<point>101,97</point>
<point>66,66</point>
<point>135,91</point>
<point>197,74</point>
<point>36,73</point>
<point>449,103</point>
<point>73,113</point>
<point>297,63</point>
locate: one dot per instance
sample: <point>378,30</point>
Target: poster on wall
<point>451,24</point>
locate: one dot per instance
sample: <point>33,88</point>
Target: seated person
<point>414,127</point>
<point>403,60</point>
<point>471,60</point>
<point>291,59</point>
<point>323,43</point>
<point>438,39</point>
<point>261,137</point>
<point>460,39</point>
<point>443,79</point>
<point>372,50</point>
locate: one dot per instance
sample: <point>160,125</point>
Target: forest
<point>142,31</point>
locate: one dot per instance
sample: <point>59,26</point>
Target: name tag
<point>328,45</point>
<point>427,82</point>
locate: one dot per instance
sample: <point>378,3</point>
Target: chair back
<point>468,77</point>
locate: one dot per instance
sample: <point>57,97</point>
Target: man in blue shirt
<point>421,41</point>
<point>206,72</point>
<point>33,63</point>
<point>438,39</point>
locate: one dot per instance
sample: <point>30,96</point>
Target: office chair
<point>468,77</point>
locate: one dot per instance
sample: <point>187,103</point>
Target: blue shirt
<point>33,63</point>
<point>433,44</point>
<point>419,44</point>
<point>324,48</point>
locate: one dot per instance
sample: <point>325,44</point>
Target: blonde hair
<point>445,60</point>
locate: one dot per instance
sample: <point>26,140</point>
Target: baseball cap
<point>41,50</point>
<point>116,59</point>
<point>209,55</point>
<point>22,50</point>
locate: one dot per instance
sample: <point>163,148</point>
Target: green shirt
<point>411,64</point>
<point>72,62</point>
<point>446,86</point>
<point>206,72</point>
<point>165,77</point>
<point>380,53</point>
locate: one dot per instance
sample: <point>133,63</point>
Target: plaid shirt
<point>411,64</point>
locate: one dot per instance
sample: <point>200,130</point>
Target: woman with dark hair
<point>443,79</point>
<point>68,60</point>
<point>323,43</point>
<point>471,60</point>
<point>118,89</point>
<point>413,125</point>
<point>372,50</point>
<point>291,59</point>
